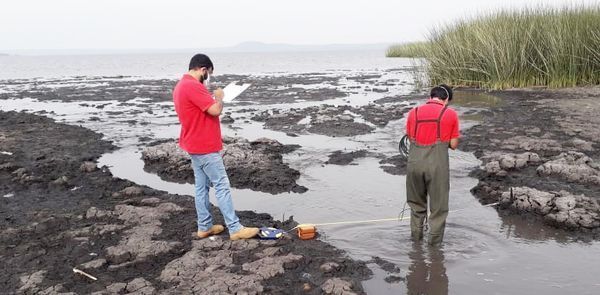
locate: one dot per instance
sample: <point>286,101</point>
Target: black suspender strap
<point>416,123</point>
<point>437,121</point>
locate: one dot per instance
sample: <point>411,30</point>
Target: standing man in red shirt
<point>432,128</point>
<point>200,136</point>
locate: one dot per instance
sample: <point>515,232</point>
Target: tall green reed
<point>554,47</point>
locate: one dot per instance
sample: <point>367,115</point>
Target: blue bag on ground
<point>270,233</point>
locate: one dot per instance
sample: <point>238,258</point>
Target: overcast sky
<point>174,24</point>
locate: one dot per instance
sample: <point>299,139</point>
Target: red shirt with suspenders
<point>432,121</point>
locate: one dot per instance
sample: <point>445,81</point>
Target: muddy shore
<point>256,165</point>
<point>59,211</point>
<point>539,150</point>
<point>540,154</point>
<point>134,106</point>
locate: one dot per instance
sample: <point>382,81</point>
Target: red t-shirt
<point>200,131</point>
<point>427,131</point>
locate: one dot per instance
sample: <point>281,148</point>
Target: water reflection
<point>427,272</point>
<point>531,229</point>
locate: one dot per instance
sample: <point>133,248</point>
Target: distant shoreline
<point>246,47</point>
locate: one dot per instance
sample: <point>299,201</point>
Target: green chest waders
<point>428,173</point>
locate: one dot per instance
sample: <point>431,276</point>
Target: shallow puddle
<point>475,99</point>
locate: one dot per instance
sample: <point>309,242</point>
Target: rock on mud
<point>139,241</point>
<point>88,166</point>
<point>561,209</point>
<point>130,191</point>
<point>545,148</point>
<point>572,166</point>
<point>532,144</point>
<point>499,164</point>
<point>212,263</point>
<point>257,165</point>
<point>337,286</point>
<point>140,286</point>
<point>329,267</point>
<point>94,264</point>
<point>30,283</point>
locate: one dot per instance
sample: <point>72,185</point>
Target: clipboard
<point>233,90</point>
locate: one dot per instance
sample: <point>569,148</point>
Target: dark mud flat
<point>395,165</point>
<point>257,165</point>
<point>60,211</point>
<point>92,89</point>
<point>417,96</point>
<point>541,153</point>
<point>330,120</point>
<point>345,158</point>
<point>285,89</point>
<point>325,120</point>
<point>264,89</point>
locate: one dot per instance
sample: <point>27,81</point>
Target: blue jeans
<point>209,169</point>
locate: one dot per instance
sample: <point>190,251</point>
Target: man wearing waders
<point>432,129</point>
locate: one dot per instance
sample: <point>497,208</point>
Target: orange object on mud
<point>307,231</point>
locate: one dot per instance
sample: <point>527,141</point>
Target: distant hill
<point>282,47</point>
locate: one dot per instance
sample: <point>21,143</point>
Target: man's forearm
<point>219,107</point>
<point>453,143</point>
<point>216,108</point>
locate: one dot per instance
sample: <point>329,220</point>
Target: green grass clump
<point>409,50</point>
<point>554,47</point>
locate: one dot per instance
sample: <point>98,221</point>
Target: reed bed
<point>553,47</point>
<point>408,50</point>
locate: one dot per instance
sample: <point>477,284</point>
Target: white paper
<point>233,90</point>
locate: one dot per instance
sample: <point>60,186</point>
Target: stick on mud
<point>75,270</point>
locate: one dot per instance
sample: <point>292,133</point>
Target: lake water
<point>173,65</point>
